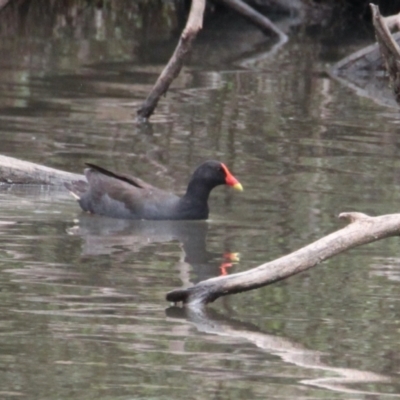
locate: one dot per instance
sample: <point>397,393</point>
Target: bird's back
<point>125,196</point>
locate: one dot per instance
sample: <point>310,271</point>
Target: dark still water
<point>82,309</point>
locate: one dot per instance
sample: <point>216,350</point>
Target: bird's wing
<point>132,180</point>
<point>126,192</point>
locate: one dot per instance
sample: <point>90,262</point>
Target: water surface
<point>82,309</point>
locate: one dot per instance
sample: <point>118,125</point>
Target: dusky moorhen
<point>119,195</point>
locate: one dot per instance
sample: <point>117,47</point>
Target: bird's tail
<point>76,188</point>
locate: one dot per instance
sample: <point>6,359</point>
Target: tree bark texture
<point>362,229</point>
<point>172,69</point>
<point>13,170</point>
<point>389,49</point>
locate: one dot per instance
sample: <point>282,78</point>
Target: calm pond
<point>82,299</point>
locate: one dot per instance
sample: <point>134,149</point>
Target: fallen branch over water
<point>13,170</point>
<point>362,229</point>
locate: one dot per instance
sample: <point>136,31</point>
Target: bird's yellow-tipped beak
<point>231,180</point>
<point>238,186</point>
<point>234,257</point>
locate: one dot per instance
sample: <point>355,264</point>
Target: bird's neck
<point>193,205</point>
<point>197,191</point>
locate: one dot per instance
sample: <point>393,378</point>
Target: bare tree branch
<point>172,69</point>
<point>362,229</point>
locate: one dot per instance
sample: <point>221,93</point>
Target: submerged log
<point>13,170</point>
<point>362,229</point>
<point>389,49</point>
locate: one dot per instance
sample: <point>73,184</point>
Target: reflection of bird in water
<point>103,236</point>
<point>230,259</point>
<point>123,196</point>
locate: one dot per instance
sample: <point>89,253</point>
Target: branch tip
<point>353,216</point>
<point>178,295</point>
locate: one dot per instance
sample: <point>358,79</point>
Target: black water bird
<point>119,195</point>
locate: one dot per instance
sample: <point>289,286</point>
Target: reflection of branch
<point>251,62</point>
<point>361,230</point>
<point>209,321</point>
<point>262,22</point>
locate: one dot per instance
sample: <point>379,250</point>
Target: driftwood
<point>362,229</point>
<point>193,26</point>
<point>389,49</point>
<point>13,170</point>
